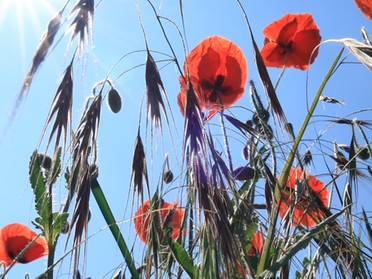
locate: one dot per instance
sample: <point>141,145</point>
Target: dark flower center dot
<point>287,48</point>
<point>215,88</point>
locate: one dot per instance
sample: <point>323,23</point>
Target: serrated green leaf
<point>38,184</point>
<point>58,221</point>
<point>56,167</point>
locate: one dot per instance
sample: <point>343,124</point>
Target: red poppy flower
<point>257,244</point>
<point>142,218</point>
<point>365,6</point>
<point>14,238</point>
<point>217,69</point>
<point>290,41</point>
<point>305,211</point>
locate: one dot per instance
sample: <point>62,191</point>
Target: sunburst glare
<point>26,17</point>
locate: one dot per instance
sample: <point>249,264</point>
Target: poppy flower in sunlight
<point>143,215</point>
<point>14,238</point>
<point>365,6</point>
<point>290,42</point>
<point>217,69</point>
<point>297,195</point>
<point>257,244</point>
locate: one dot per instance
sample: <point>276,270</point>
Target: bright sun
<point>23,18</point>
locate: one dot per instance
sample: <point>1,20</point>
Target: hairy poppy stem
<point>228,154</point>
<point>51,250</point>
<point>264,260</point>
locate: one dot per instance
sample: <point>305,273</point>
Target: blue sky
<point>116,33</point>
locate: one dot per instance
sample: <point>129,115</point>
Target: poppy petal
<point>142,218</point>
<point>305,211</point>
<point>257,244</point>
<point>366,7</point>
<point>15,238</point>
<point>272,54</point>
<point>141,221</point>
<point>290,42</point>
<point>281,30</point>
<point>218,72</point>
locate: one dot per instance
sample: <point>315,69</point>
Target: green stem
<point>111,222</point>
<point>264,260</point>
<point>51,251</point>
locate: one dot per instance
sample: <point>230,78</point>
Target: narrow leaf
<point>368,226</point>
<point>183,258</point>
<point>111,222</point>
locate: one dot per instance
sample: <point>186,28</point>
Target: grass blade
<point>183,258</point>
<point>111,222</point>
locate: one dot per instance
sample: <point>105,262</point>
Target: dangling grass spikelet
<point>42,49</point>
<point>83,22</point>
<point>61,107</point>
<point>139,168</point>
<point>85,145</point>
<point>154,86</point>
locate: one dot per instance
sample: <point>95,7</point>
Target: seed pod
<point>46,161</point>
<point>65,227</point>
<point>266,131</point>
<point>261,115</point>
<point>246,152</point>
<point>114,100</point>
<point>243,173</point>
<point>307,158</point>
<point>362,153</point>
<point>168,177</point>
<point>249,123</point>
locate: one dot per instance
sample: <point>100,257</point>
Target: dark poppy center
<point>215,89</point>
<point>287,48</point>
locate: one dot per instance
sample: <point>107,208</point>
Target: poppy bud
<point>243,173</point>
<point>114,100</point>
<point>46,161</point>
<point>260,115</point>
<point>168,177</point>
<point>65,227</point>
<point>266,131</point>
<point>362,153</point>
<point>246,151</point>
<point>308,157</point>
<point>249,123</point>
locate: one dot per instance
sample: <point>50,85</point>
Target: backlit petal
<point>218,72</point>
<point>15,238</point>
<point>290,41</point>
<point>305,209</point>
<point>366,7</point>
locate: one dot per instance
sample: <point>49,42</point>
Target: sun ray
<point>31,18</point>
